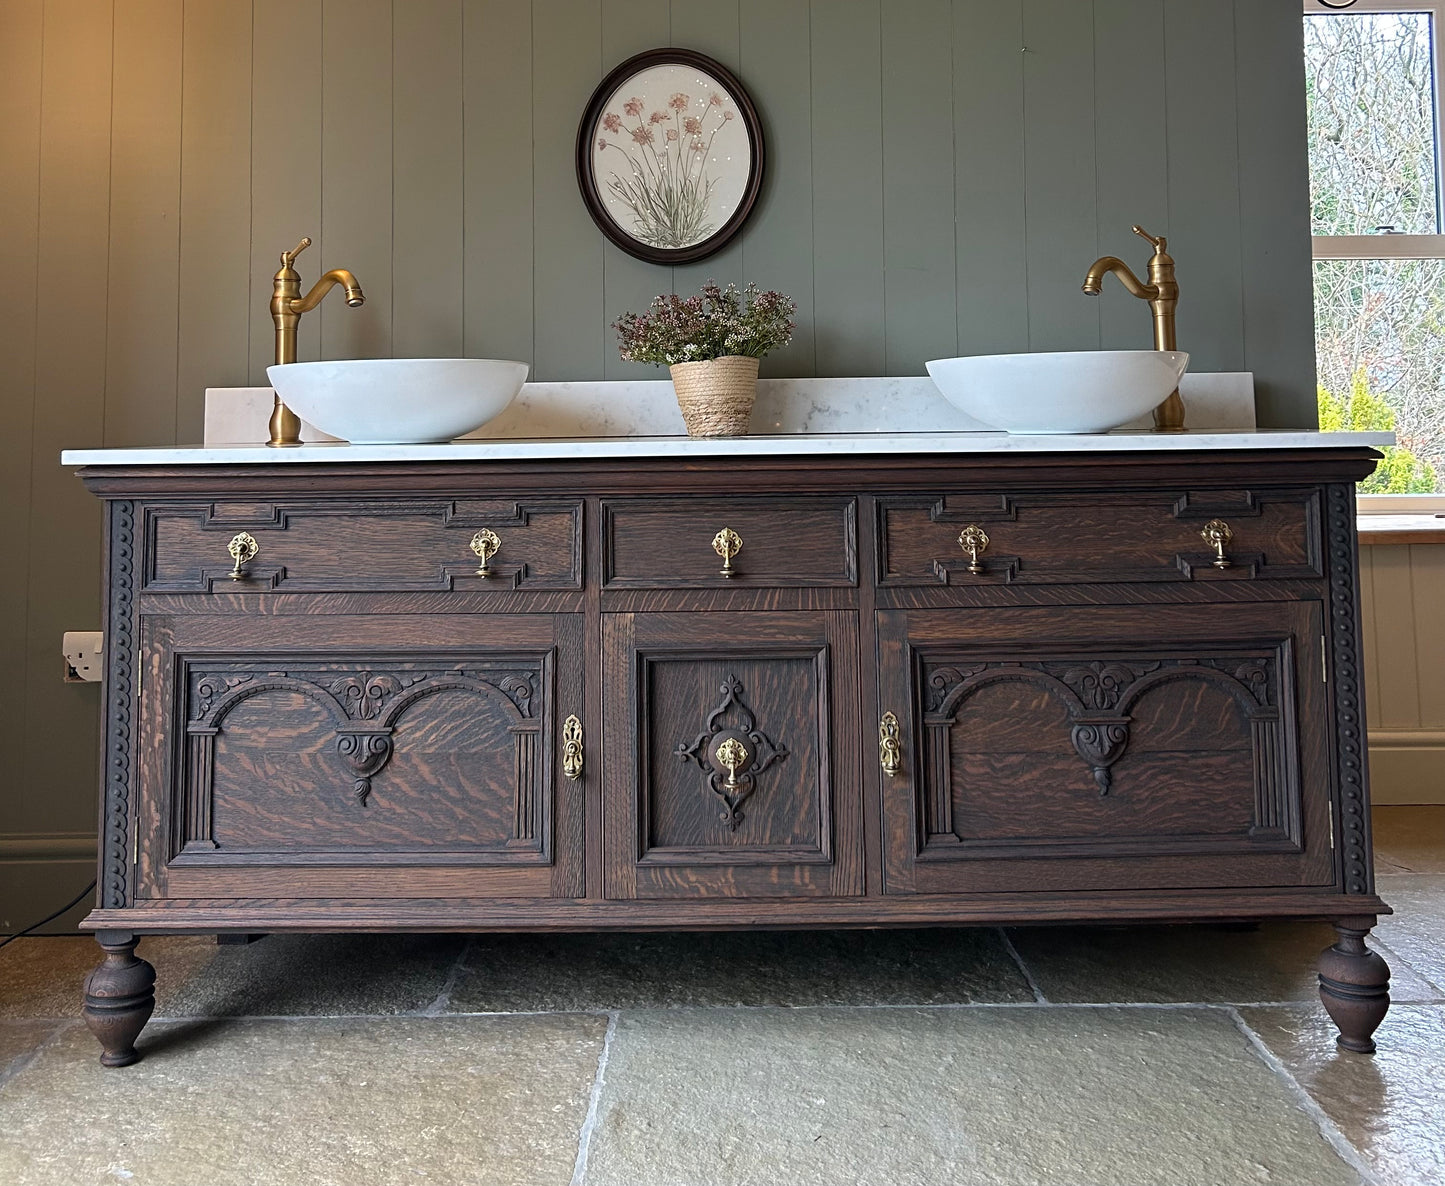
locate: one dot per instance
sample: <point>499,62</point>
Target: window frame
<point>1390,245</point>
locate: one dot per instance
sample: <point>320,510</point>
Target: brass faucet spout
<point>354,296</point>
<point>1094,281</point>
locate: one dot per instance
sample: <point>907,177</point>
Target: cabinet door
<point>358,757</point>
<point>731,755</point>
<point>1106,748</point>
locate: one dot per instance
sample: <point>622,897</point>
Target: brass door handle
<point>572,756</point>
<point>486,545</point>
<point>890,749</point>
<point>973,540</point>
<point>1218,535</point>
<point>243,549</point>
<point>727,543</point>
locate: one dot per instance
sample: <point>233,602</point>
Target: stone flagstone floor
<point>1070,1056</point>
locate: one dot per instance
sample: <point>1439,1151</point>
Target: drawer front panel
<point>1042,539</point>
<point>364,546</point>
<point>668,543</point>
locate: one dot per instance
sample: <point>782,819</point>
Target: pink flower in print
<point>612,122</point>
<point>697,146</point>
<point>692,125</point>
<point>727,115</point>
<point>679,102</point>
<point>657,117</point>
<point>633,107</point>
<point>601,144</point>
<point>642,135</point>
<point>671,134</point>
<point>715,100</point>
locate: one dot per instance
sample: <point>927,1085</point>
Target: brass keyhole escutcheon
<point>727,543</point>
<point>890,749</point>
<point>485,544</point>
<point>243,549</point>
<point>572,756</point>
<point>973,540</point>
<point>732,755</point>
<point>1218,535</point>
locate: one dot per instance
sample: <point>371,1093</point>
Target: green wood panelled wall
<point>941,172</point>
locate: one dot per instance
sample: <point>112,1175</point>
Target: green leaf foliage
<point>1401,472</point>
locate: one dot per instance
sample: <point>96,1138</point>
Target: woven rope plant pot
<point>717,395</point>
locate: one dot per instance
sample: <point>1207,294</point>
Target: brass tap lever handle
<point>890,749</point>
<point>485,544</point>
<point>289,257</point>
<point>572,756</point>
<point>242,549</point>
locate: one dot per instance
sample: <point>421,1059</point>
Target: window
<point>1372,69</point>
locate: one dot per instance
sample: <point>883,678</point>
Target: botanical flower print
<point>671,159</point>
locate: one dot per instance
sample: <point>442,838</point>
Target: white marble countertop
<point>795,445</point>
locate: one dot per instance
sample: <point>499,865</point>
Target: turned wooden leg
<point>119,997</point>
<point>1354,985</point>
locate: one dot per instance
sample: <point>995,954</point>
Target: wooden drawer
<point>1044,539</point>
<point>335,546</point>
<point>657,543</point>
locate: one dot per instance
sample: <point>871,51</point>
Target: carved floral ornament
<point>732,751</point>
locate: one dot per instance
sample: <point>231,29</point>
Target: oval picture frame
<point>660,166</point>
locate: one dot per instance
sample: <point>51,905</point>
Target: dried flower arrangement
<point>715,323</point>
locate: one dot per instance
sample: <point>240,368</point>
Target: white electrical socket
<point>84,650</point>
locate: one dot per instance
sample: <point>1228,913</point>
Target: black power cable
<point>80,897</point>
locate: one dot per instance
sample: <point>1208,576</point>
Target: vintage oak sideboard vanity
<point>777,682</point>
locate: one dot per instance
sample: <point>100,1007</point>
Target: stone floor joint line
<point>594,1100</point>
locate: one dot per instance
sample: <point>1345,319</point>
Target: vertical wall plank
<point>1395,650</point>
<point>1204,191</point>
<point>1369,620</point>
<point>847,187</point>
<point>497,92</point>
<point>710,27</point>
<point>919,289</point>
<point>285,166</point>
<point>1059,201</point>
<point>1278,313</point>
<point>145,207</point>
<point>988,131</point>
<point>214,277</point>
<point>1133,175</point>
<point>64,562</point>
<point>1427,581</point>
<point>629,27</point>
<point>569,295</point>
<point>777,242</point>
<point>427,149</point>
<point>356,174</point>
<point>21,36</point>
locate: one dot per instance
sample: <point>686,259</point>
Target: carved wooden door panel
<point>303,758</point>
<point>732,765</point>
<point>1148,747</point>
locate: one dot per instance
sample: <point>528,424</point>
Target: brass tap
<point>287,305</point>
<point>1162,293</point>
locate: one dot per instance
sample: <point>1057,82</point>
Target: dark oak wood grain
<point>363,735</point>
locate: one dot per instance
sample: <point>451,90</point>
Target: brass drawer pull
<point>727,543</point>
<point>572,748</point>
<point>243,549</point>
<point>1218,534</point>
<point>890,751</point>
<point>485,544</point>
<point>973,540</point>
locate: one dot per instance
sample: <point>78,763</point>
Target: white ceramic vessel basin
<point>1083,391</point>
<point>398,401</point>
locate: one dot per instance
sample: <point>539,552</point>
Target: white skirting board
<point>1407,766</point>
